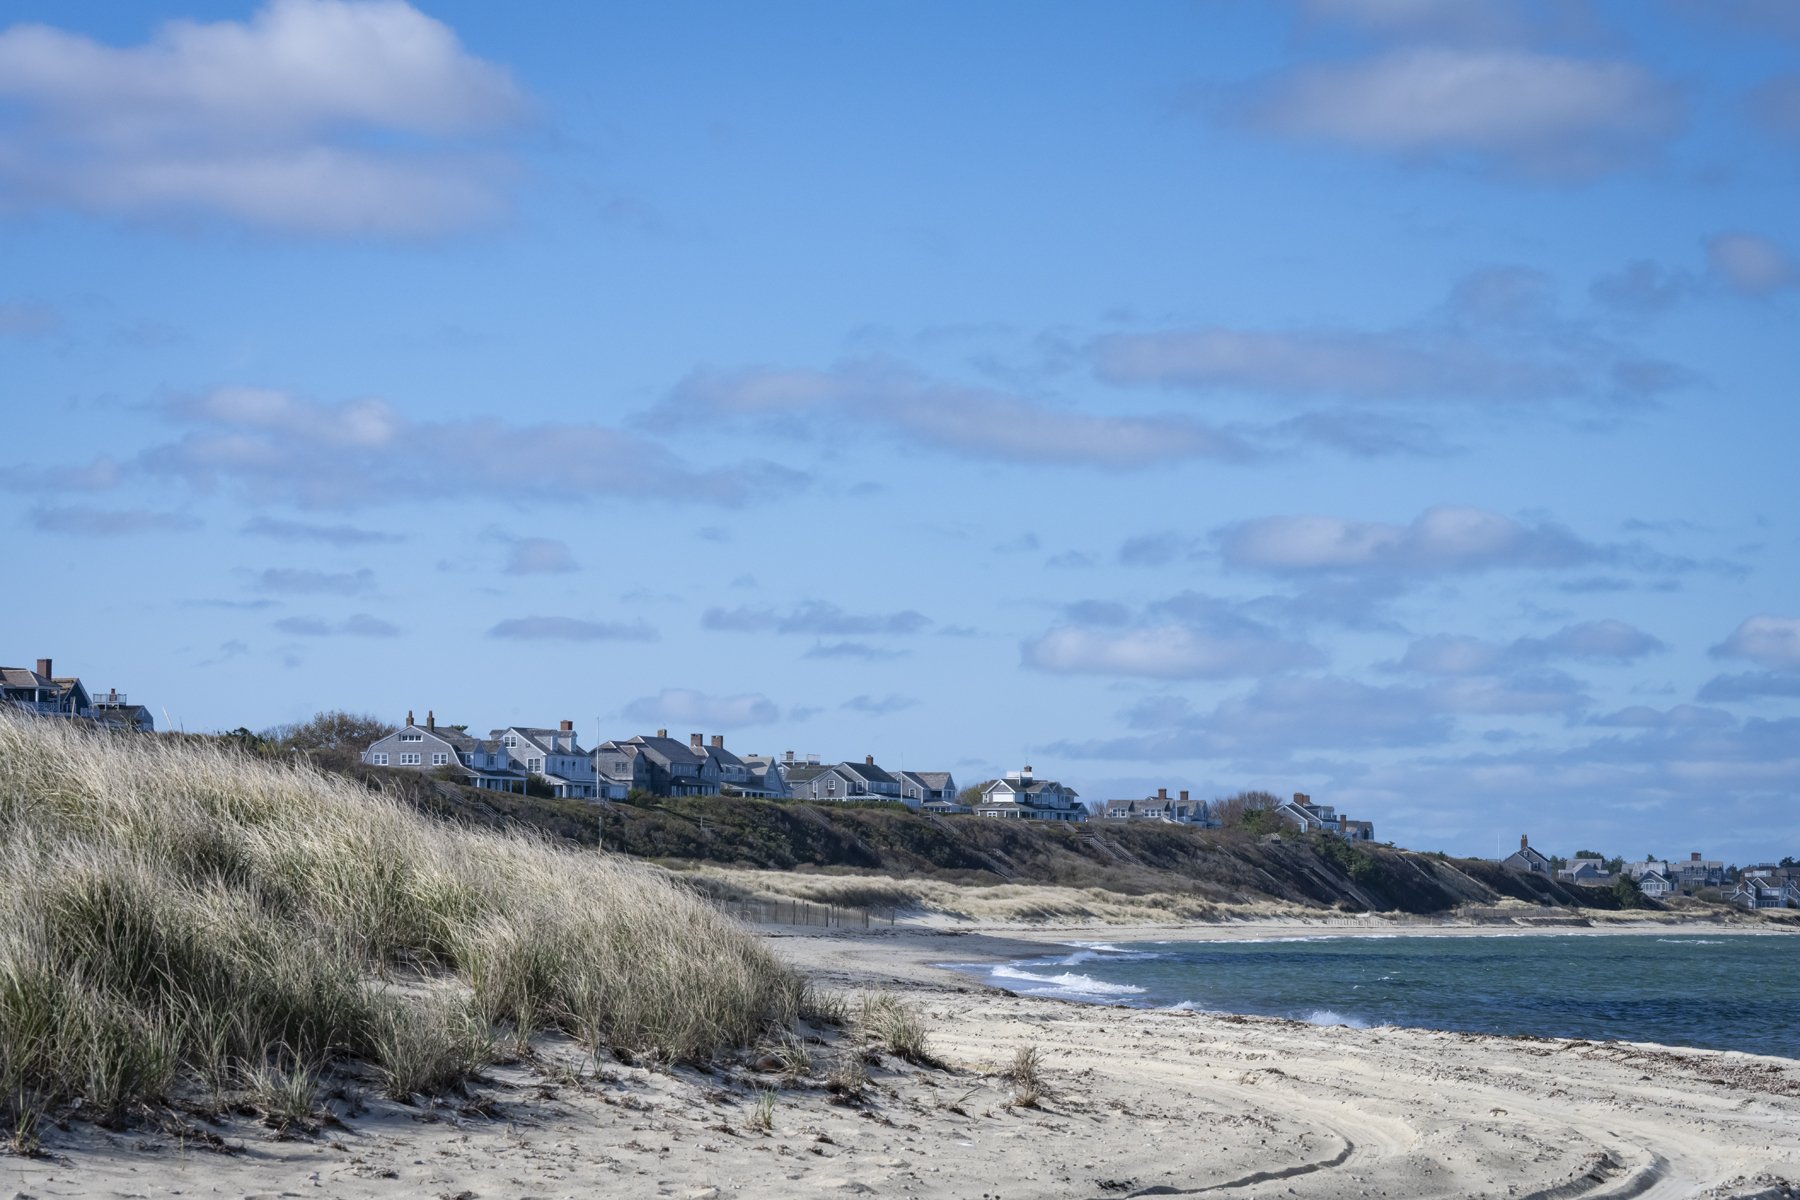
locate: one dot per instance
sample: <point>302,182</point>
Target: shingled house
<point>432,747</point>
<point>1023,796</point>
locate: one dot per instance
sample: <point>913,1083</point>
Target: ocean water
<point>1722,991</point>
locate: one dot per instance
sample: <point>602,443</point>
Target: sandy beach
<point>1134,1103</point>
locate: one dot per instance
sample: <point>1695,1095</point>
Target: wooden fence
<point>800,912</point>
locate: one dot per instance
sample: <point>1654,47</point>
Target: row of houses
<point>657,764</point>
<point>43,692</point>
<point>1759,887</point>
<point>1300,813</point>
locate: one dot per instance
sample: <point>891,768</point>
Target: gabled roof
<point>542,739</point>
<point>868,772</point>
<point>805,772</point>
<point>668,749</point>
<point>936,780</point>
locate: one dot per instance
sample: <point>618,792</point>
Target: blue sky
<point>1385,399</point>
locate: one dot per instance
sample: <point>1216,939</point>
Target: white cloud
<point>1768,641</point>
<point>571,629</point>
<point>1447,538</point>
<point>280,448</point>
<point>973,422</point>
<point>1519,111</point>
<point>297,581</point>
<point>268,121</point>
<point>358,625</point>
<point>813,617</point>
<point>684,706</point>
<point>1589,641</point>
<point>1168,651</point>
<point>108,522</point>
<point>1752,265</point>
<point>332,535</point>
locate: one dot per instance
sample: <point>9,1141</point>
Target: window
<point>535,765</point>
<point>409,760</point>
<point>380,760</point>
<point>509,741</point>
<point>412,737</point>
<point>440,759</point>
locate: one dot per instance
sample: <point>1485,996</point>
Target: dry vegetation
<point>994,902</point>
<point>179,918</point>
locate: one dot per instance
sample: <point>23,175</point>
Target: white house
<point>1527,861</point>
<point>1023,796</point>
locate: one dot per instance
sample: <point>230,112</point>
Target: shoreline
<point>1134,1102</point>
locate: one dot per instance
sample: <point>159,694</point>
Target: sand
<point>1136,1103</point>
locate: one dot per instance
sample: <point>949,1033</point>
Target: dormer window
<point>412,737</point>
<point>509,741</point>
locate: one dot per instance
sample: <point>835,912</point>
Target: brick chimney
<point>787,756</point>
<point>1026,773</point>
<point>868,760</point>
<point>1524,842</point>
<point>1162,793</point>
<point>568,727</point>
<point>1184,795</point>
<point>44,667</point>
<point>1302,798</point>
<point>696,742</point>
<point>1694,857</point>
<point>718,741</point>
<point>409,718</point>
<point>663,733</point>
<point>430,719</point>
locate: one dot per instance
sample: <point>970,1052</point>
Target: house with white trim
<point>1527,861</point>
<point>432,747</point>
<point>1177,811</point>
<point>554,757</point>
<point>1022,796</point>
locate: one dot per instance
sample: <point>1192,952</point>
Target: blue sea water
<point>1721,991</point>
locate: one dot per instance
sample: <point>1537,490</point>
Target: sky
<point>1390,400</point>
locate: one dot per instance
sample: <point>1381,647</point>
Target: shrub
<point>1027,1083</point>
<point>896,1026</point>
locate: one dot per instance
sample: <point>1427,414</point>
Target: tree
<point>1253,812</point>
<point>334,730</point>
<point>1626,890</point>
<point>970,796</point>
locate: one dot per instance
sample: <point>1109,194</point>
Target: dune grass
<point>177,916</point>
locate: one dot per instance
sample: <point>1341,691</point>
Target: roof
<point>869,772</point>
<point>21,677</point>
<point>541,738</point>
<point>938,780</point>
<point>669,749</point>
<point>804,772</point>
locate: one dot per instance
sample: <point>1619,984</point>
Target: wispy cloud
<point>297,581</point>
<point>813,617</point>
<point>538,556</point>
<point>572,629</point>
<point>330,117</point>
<point>1512,111</point>
<point>1447,538</point>
<point>878,706</point>
<point>684,706</point>
<point>856,650</point>
<point>359,625</point>
<point>1603,641</point>
<point>109,522</point>
<point>973,422</point>
<point>280,448</point>
<point>22,319</point>
<point>1752,265</point>
<point>330,535</point>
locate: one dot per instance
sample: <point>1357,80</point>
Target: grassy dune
<point>176,917</point>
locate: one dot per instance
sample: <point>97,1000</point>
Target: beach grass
<point>176,915</point>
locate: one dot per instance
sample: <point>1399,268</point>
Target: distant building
<point>46,694</point>
<point>931,790</point>
<point>1655,884</point>
<point>1308,817</point>
<point>1023,796</point>
<point>1527,861</point>
<point>660,765</point>
<point>1177,811</point>
<point>553,756</point>
<point>1587,869</point>
<point>839,782</point>
<point>430,747</point>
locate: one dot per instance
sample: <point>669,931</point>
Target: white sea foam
<point>1068,982</point>
<point>1325,1016</point>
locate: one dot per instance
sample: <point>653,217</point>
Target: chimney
<point>718,741</point>
<point>1184,799</point>
<point>1694,857</point>
<point>663,733</point>
<point>696,742</point>
<point>44,667</point>
<point>1026,773</point>
<point>868,760</point>
<point>787,756</point>
<point>1524,842</point>
<point>1301,798</point>
<point>409,718</point>
<point>1162,793</point>
<point>430,719</point>
<point>568,727</point>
